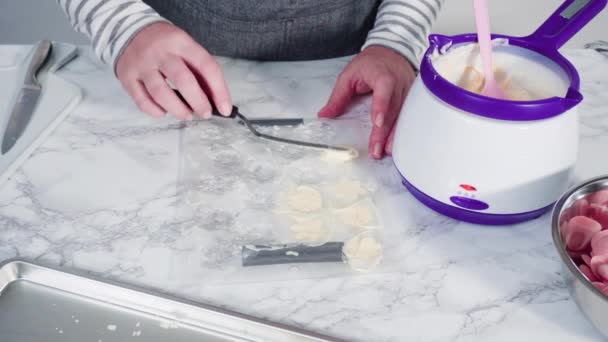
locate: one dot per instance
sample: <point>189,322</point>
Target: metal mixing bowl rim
<point>557,239</point>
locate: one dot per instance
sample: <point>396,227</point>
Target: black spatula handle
<point>214,110</point>
<point>257,255</point>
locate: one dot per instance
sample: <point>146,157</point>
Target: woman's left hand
<point>387,75</point>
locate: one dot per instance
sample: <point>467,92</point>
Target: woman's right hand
<point>163,52</point>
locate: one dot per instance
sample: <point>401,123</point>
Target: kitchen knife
<point>27,96</point>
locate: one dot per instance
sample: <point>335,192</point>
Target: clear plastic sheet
<point>237,189</point>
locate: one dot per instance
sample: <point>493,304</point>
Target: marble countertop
<point>99,195</point>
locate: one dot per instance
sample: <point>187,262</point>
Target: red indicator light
<point>468,187</point>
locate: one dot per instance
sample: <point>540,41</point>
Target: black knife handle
<point>39,56</point>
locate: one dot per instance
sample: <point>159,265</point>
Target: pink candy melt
<point>588,273</point>
<point>575,255</point>
<point>586,259</point>
<point>600,214</point>
<point>599,266</point>
<point>581,208</point>
<point>579,231</point>
<point>584,230</point>
<point>599,243</point>
<point>600,197</point>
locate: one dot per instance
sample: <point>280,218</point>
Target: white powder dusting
<point>312,231</point>
<point>111,327</point>
<point>292,253</point>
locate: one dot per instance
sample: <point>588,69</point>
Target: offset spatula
<point>27,96</point>
<point>277,122</point>
<point>251,123</point>
<point>257,255</point>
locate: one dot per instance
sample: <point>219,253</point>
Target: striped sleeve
<point>404,25</point>
<point>109,24</point>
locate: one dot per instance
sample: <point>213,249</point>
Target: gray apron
<point>274,30</point>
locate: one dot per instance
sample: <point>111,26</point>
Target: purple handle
<point>565,22</point>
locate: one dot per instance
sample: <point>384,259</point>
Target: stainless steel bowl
<point>590,300</point>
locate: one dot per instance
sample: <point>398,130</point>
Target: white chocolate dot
<point>305,199</point>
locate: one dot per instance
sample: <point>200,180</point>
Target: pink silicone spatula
<point>482,20</point>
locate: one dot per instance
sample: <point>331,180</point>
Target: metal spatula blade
<point>250,124</point>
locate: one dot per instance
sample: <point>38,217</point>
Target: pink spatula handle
<point>482,21</point>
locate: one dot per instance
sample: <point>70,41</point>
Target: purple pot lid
<point>564,23</point>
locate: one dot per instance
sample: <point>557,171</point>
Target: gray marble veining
<point>100,195</point>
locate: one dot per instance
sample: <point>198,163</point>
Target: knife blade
<point>27,97</point>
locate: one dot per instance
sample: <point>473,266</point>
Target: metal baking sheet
<point>41,303</point>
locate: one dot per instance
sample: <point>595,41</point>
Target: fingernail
<point>389,147</point>
<point>377,152</point>
<point>225,108</point>
<point>207,114</point>
<point>379,120</point>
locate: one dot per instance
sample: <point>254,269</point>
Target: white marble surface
<point>100,194</point>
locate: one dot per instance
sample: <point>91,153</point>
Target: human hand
<point>161,52</point>
<point>389,76</point>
